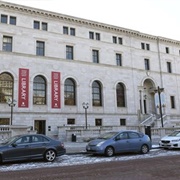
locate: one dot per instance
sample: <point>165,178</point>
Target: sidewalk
<point>75,147</point>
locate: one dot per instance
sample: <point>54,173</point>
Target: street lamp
<point>85,106</point>
<point>11,103</point>
<point>159,91</point>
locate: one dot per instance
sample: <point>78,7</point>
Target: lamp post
<point>85,106</point>
<point>11,103</point>
<point>159,91</point>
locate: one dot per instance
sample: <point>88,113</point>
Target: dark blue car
<point>31,146</point>
<point>115,142</point>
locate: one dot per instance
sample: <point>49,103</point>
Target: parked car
<point>113,142</point>
<point>31,146</point>
<point>170,141</point>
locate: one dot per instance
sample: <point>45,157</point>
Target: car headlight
<point>99,144</point>
<point>176,140</point>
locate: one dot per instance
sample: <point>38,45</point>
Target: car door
<point>18,150</point>
<point>135,141</point>
<point>38,146</point>
<point>121,142</point>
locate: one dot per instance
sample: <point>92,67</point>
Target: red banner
<point>23,99</point>
<point>55,94</point>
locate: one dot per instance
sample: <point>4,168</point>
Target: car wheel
<point>144,149</point>
<point>109,151</point>
<point>50,155</point>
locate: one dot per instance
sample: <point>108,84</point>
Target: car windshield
<point>9,141</point>
<point>107,135</point>
<point>175,133</point>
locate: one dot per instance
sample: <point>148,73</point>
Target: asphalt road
<point>159,168</point>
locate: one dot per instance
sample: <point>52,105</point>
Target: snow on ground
<point>78,159</point>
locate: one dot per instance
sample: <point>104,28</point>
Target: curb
<point>75,153</point>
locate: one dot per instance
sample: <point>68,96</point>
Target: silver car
<point>170,141</point>
<point>112,143</point>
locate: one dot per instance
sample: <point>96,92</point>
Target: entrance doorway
<point>147,102</point>
<point>40,126</point>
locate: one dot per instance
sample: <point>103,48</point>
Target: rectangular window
<point>36,25</point>
<point>7,43</point>
<point>118,59</point>
<point>95,56</point>
<point>12,20</point>
<point>169,67</point>
<point>172,99</point>
<point>122,122</point>
<point>4,19</point>
<point>40,48</point>
<point>142,46</point>
<point>91,35</point>
<point>98,122</point>
<point>120,40</point>
<point>114,40</point>
<point>44,26</point>
<point>146,63</point>
<point>65,30</point>
<point>4,121</point>
<point>167,50</point>
<point>147,47</point>
<point>69,52</point>
<point>71,121</point>
<point>72,32</point>
<point>98,36</point>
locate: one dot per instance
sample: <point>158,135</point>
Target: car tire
<point>109,151</point>
<point>1,159</point>
<point>50,155</point>
<point>144,149</point>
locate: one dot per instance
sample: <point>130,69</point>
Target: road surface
<point>160,168</point>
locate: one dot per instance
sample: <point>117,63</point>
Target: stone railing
<point>65,133</point>
<point>82,134</point>
<point>7,131</point>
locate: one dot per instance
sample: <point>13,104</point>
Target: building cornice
<point>80,21</point>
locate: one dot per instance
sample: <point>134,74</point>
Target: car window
<point>39,139</point>
<point>107,135</point>
<point>10,140</point>
<point>133,135</point>
<point>123,135</point>
<point>22,140</point>
<point>175,133</point>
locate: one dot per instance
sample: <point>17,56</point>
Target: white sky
<point>155,17</point>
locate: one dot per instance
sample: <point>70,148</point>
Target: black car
<point>31,146</point>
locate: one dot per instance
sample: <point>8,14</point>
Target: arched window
<point>120,95</point>
<point>69,92</point>
<point>6,87</point>
<point>39,90</point>
<point>96,94</point>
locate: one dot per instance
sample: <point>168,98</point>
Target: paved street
<point>160,168</point>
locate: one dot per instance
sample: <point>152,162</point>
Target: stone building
<point>51,63</point>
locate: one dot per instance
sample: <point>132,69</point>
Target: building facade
<point>50,64</point>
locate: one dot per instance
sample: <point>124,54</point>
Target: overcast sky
<point>155,17</point>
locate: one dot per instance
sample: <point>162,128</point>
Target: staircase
<point>149,121</point>
<point>154,120</point>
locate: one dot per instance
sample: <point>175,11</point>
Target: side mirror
<point>117,138</point>
<point>14,145</point>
